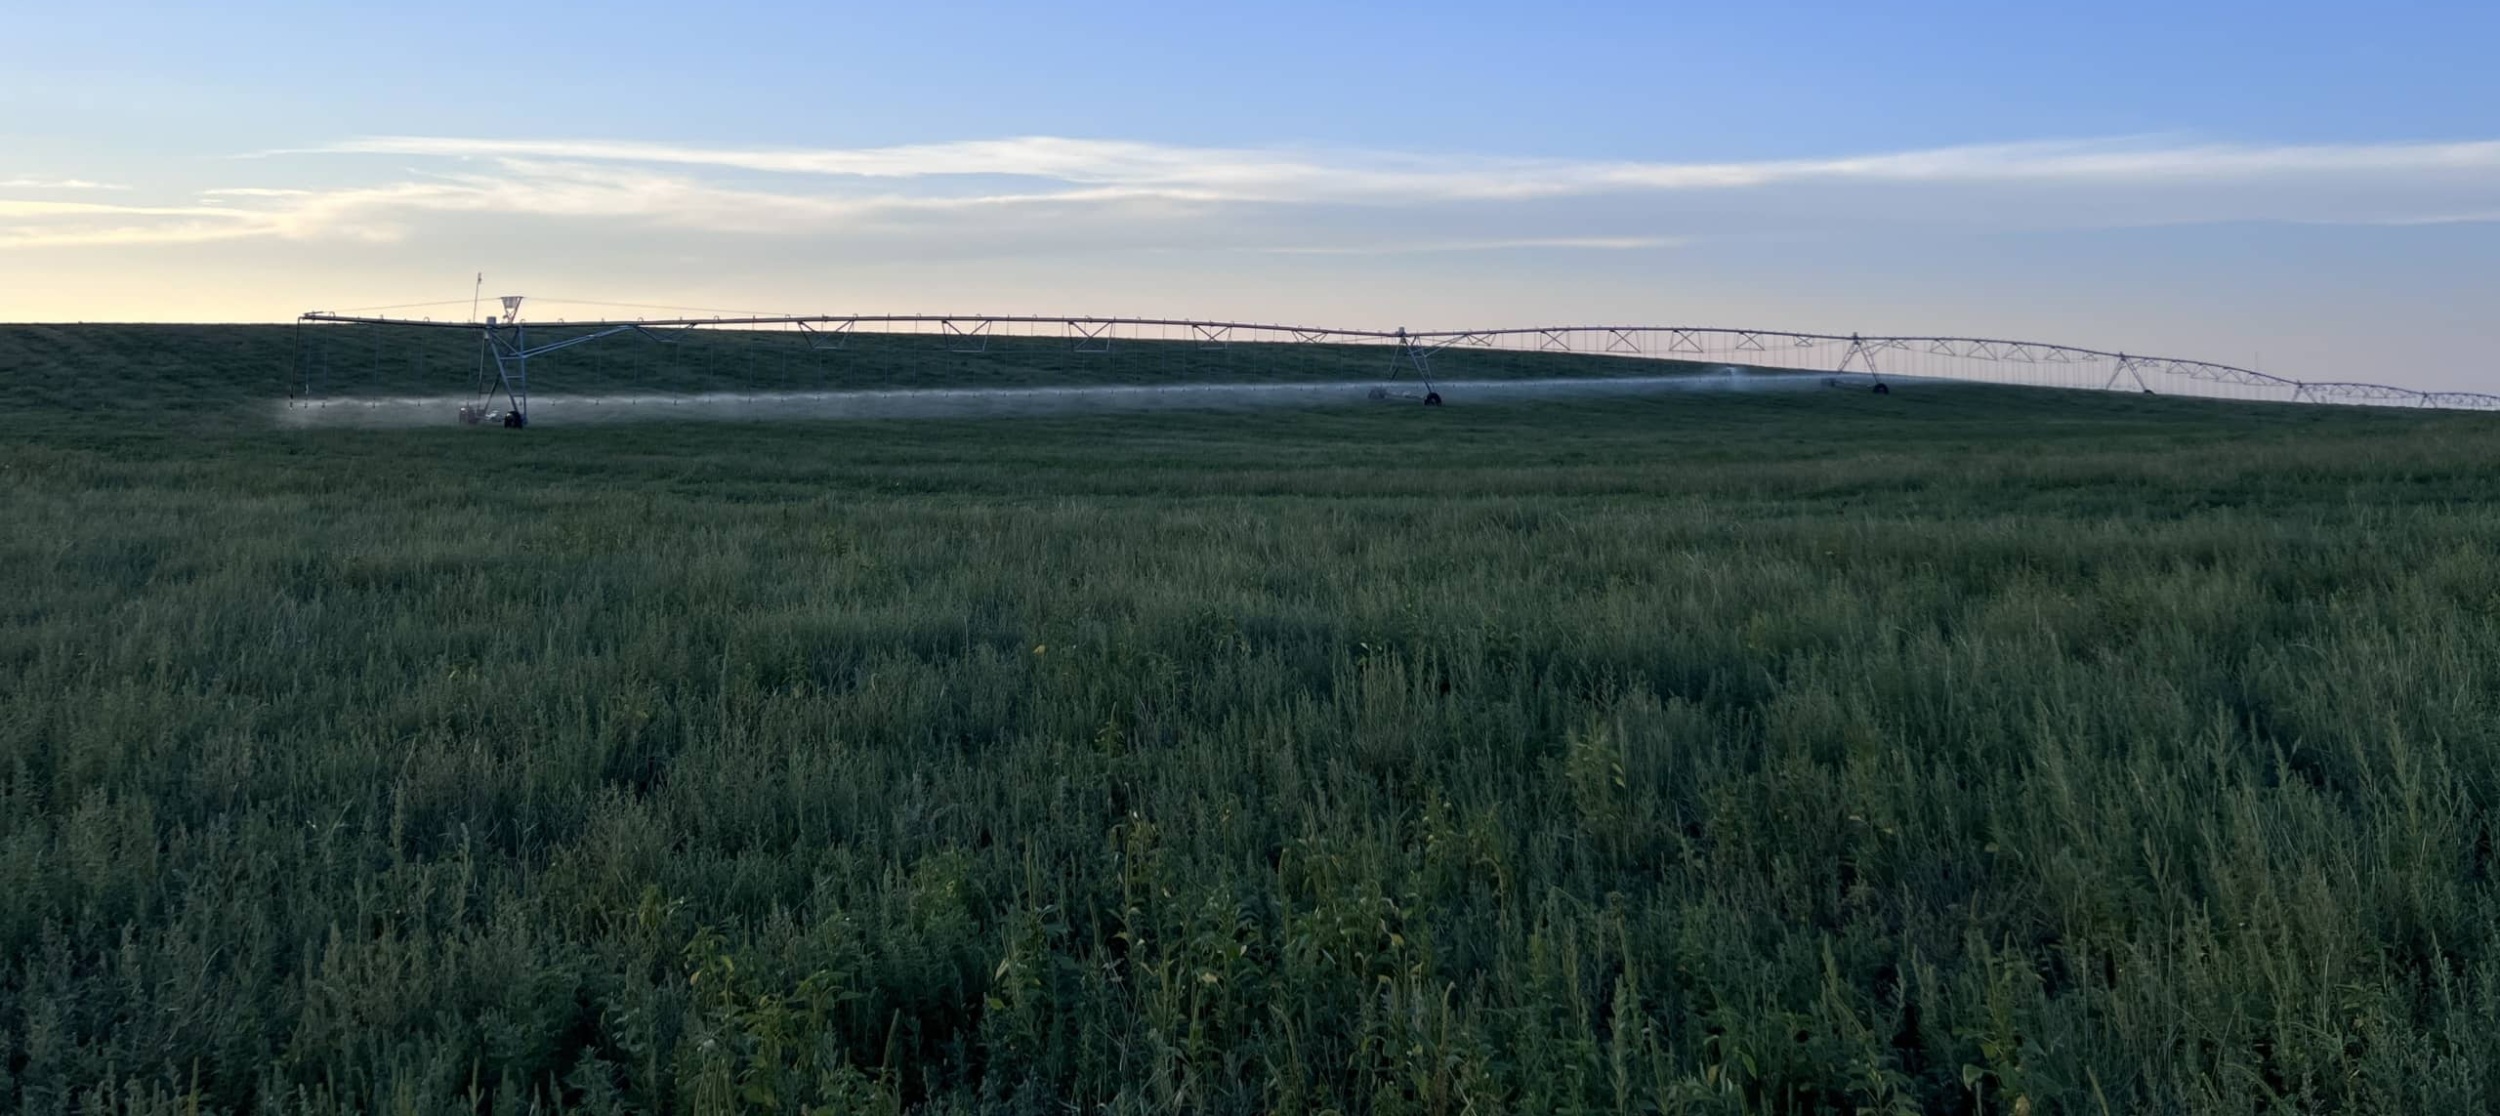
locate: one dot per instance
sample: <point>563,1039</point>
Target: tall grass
<point>1963,750</point>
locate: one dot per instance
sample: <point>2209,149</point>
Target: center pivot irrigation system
<point>810,350</point>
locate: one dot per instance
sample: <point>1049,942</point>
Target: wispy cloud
<point>2471,217</point>
<point>1285,175</point>
<point>1014,194</point>
<point>1583,243</point>
<point>51,224</point>
<point>521,188</point>
<point>23,183</point>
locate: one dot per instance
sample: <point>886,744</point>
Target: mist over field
<point>932,403</point>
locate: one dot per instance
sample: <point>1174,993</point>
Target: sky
<point>2308,188</point>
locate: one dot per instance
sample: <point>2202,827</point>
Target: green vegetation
<point>348,361</point>
<point>1964,750</point>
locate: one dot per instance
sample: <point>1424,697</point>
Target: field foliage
<point>1961,750</point>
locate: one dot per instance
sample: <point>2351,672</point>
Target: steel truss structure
<point>1413,358</point>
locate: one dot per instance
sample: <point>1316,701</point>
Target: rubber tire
<point>1883,389</point>
<point>514,420</point>
<point>1432,399</point>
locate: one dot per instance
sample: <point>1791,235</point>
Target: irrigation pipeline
<point>1874,357</point>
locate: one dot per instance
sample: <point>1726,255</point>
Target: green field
<point>1961,750</point>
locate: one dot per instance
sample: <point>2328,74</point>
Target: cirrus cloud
<point>1249,174</point>
<point>1034,193</point>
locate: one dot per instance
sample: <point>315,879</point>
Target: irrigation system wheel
<point>1432,399</point>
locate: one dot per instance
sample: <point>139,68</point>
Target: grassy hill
<point>1964,749</point>
<point>218,371</point>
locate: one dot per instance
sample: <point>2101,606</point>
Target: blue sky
<point>2313,186</point>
